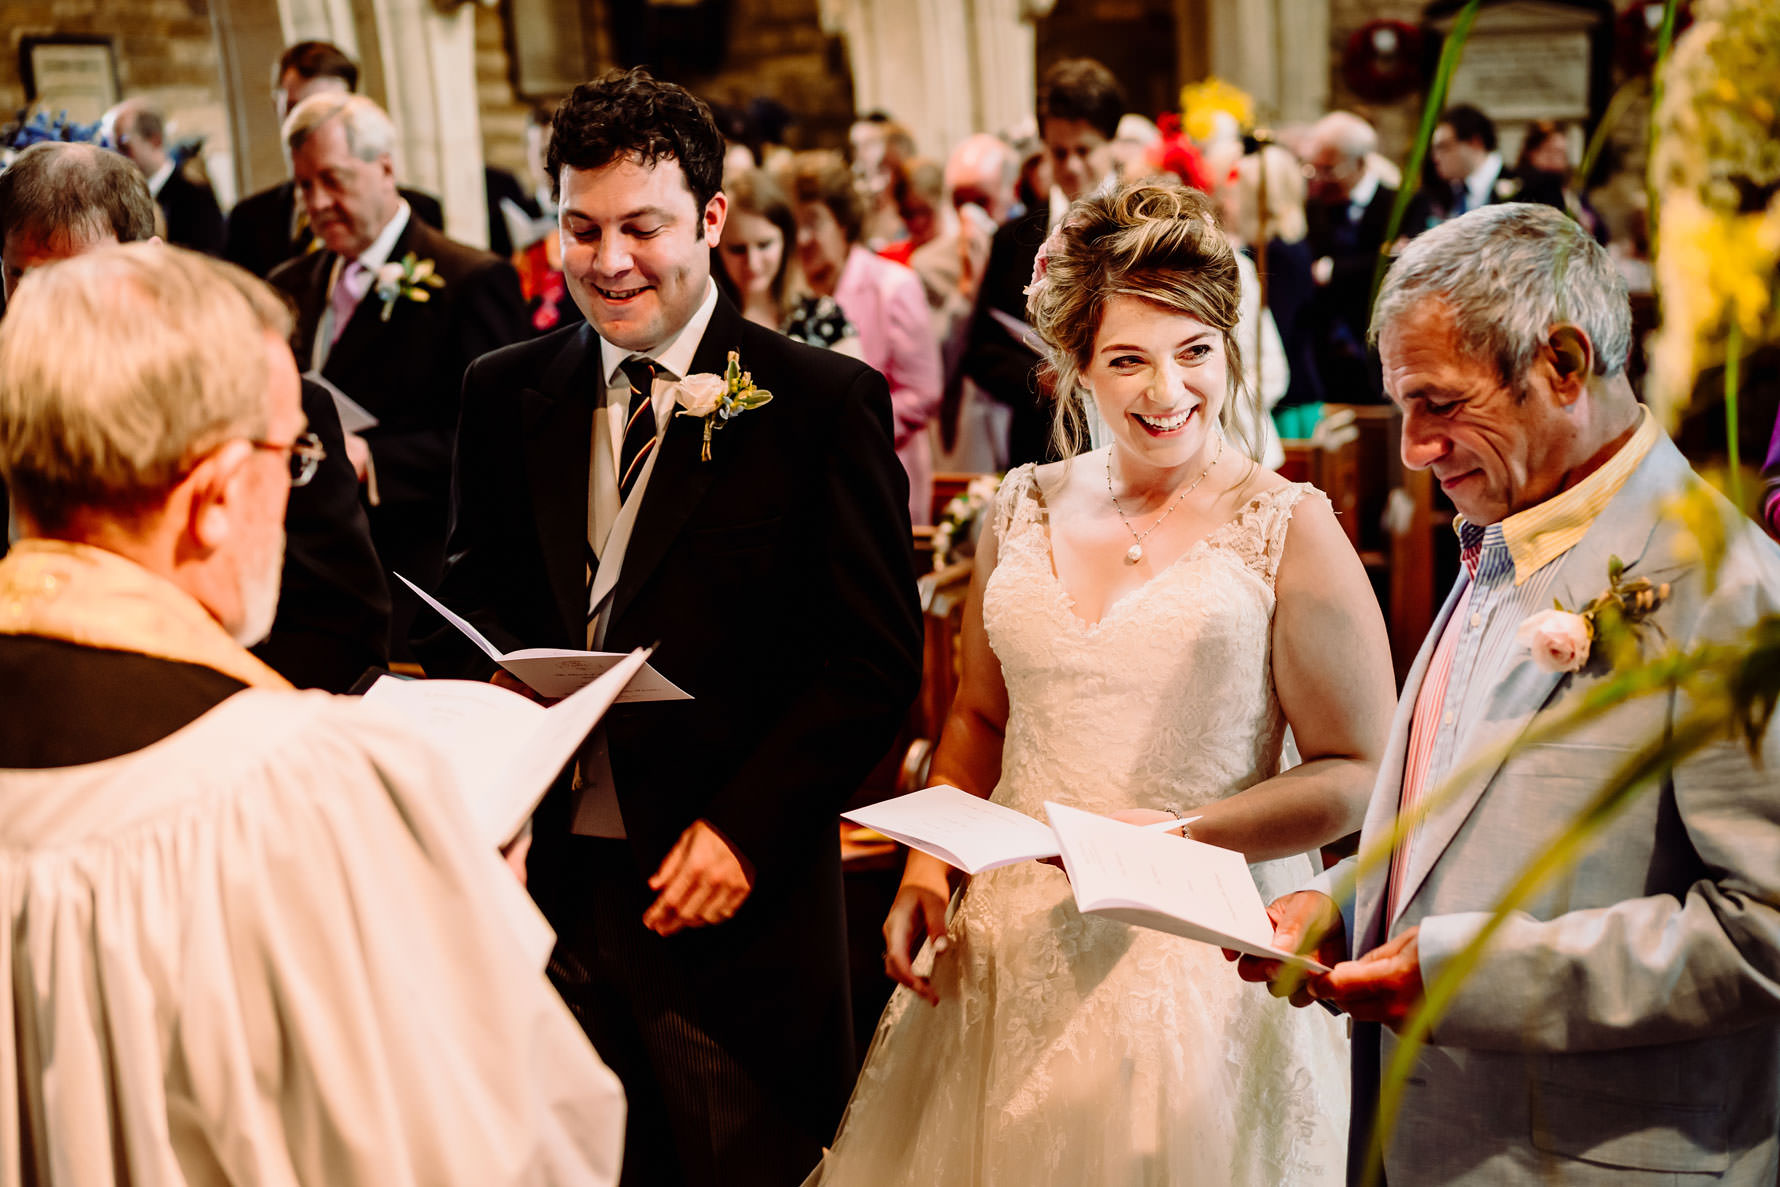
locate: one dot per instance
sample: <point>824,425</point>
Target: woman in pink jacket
<point>883,300</point>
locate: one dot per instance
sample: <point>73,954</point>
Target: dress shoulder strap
<point>1271,516</point>
<point>1020,485</point>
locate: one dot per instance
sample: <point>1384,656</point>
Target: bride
<point>1145,620</point>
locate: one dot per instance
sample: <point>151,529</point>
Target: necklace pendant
<point>1134,554</point>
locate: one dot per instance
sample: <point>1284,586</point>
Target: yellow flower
<point>1202,102</point>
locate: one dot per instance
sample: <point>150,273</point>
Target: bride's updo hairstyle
<point>1152,240</point>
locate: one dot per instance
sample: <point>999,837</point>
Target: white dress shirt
<point>609,523</point>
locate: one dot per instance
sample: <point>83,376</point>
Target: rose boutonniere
<point>1563,640</point>
<point>718,399</point>
<point>1507,188</point>
<point>410,277</point>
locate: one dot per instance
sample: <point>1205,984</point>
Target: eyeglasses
<point>305,452</point>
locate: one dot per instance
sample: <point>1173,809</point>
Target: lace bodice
<point>1167,701</point>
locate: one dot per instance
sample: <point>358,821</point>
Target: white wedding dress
<point>1069,1051</point>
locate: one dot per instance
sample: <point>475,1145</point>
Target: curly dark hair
<point>632,113</point>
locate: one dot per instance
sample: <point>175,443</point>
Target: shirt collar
<point>159,177</point>
<point>1482,179</point>
<point>1059,208</point>
<point>1364,190</point>
<point>377,255</point>
<point>1542,533</point>
<point>673,356</point>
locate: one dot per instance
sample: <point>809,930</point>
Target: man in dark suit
<point>396,341</point>
<point>188,206</point>
<point>691,869</point>
<point>1470,173</point>
<point>1348,209</point>
<point>62,200</point>
<point>267,228</point>
<point>1079,106</point>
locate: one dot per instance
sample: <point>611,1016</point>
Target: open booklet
<point>506,749</point>
<point>963,830</point>
<point>1168,883</point>
<point>556,671</point>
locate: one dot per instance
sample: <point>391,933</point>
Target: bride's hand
<point>918,913</point>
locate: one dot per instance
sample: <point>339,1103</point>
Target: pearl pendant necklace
<point>1134,553</point>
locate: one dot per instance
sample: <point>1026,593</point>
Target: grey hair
<point>369,132</point>
<point>120,367</point>
<point>1353,136</point>
<point>1509,273</point>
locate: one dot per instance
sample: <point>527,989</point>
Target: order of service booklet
<point>507,750</point>
<point>1168,883</point>
<point>965,831</point>
<point>557,671</point>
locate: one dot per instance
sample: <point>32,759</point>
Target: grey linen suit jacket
<point>1625,1026</point>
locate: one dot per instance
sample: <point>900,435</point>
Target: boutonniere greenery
<point>408,278</point>
<point>1563,640</point>
<point>718,399</point>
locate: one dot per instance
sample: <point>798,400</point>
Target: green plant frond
<point>1623,99</point>
<point>1450,53</point>
<point>1660,674</point>
<point>1641,770</point>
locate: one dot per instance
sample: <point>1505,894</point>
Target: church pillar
<point>420,65</point>
<point>1276,50</point>
<point>943,68</point>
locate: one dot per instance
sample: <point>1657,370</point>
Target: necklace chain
<point>1135,552</point>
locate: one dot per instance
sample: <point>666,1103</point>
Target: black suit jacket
<point>997,363</point>
<point>1342,309</point>
<point>333,601</point>
<point>408,371</point>
<point>194,219</point>
<point>1434,204</point>
<point>778,583</point>
<point>259,237</point>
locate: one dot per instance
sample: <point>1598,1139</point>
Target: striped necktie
<point>639,430</point>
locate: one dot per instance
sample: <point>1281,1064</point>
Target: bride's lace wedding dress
<point>1074,1051</point>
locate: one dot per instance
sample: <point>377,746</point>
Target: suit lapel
<point>557,420</point>
<point>680,478</point>
<point>366,326</point>
<point>311,299</point>
<point>1624,529</point>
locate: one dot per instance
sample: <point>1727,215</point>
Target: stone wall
<point>166,52</point>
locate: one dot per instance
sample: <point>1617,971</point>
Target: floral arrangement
<point>1715,162</point>
<point>1213,110</point>
<point>719,399</point>
<point>41,129</point>
<point>1174,152</point>
<point>958,521</point>
<point>410,278</point>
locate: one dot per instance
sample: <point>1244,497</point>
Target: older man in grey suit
<point>1624,1025</point>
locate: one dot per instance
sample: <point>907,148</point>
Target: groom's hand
<point>1295,916</point>
<point>702,881</point>
<point>1385,985</point>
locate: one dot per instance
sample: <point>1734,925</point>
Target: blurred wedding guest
<point>918,188</point>
<point>1545,156</point>
<point>252,935</point>
<point>1470,173</point>
<point>1079,107</point>
<point>269,227</point>
<point>759,234</point>
<point>1347,211</point>
<point>332,622</point>
<point>392,313</point>
<point>884,302</point>
<point>878,146</point>
<point>1280,221</point>
<point>188,205</point>
<point>1134,144</point>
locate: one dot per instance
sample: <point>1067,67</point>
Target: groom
<point>692,871</point>
<point>1623,1026</point>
